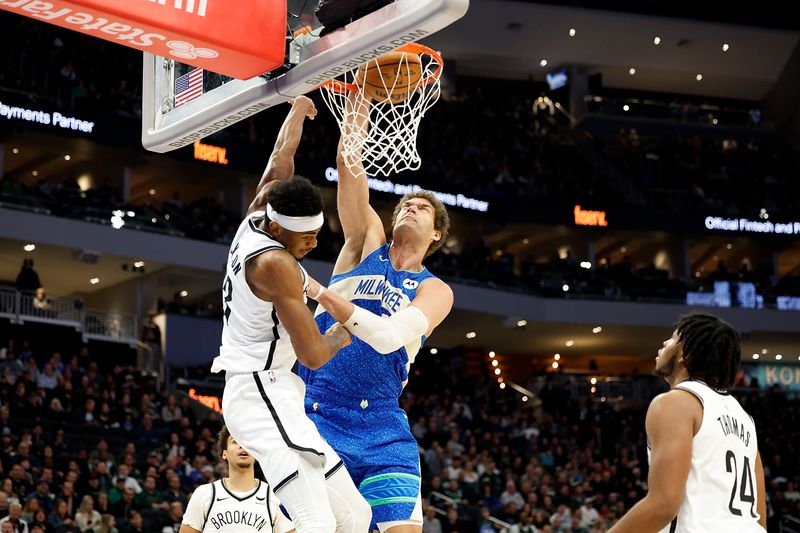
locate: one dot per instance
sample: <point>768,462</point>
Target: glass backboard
<point>173,119</point>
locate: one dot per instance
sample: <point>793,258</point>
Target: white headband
<point>298,224</point>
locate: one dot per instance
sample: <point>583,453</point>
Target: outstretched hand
<point>306,105</point>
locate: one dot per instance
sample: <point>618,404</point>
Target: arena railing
<point>502,526</point>
<point>789,524</point>
<point>638,392</point>
<point>20,307</point>
<point>106,326</point>
<point>9,303</point>
<point>57,310</point>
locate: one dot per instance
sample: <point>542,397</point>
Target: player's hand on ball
<point>305,104</point>
<point>342,336</point>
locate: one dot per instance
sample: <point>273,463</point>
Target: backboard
<point>311,60</point>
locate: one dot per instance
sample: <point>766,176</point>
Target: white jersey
<point>215,508</point>
<point>721,492</point>
<point>253,339</point>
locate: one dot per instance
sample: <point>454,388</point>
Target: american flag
<point>188,87</point>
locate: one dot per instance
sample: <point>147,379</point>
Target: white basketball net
<point>389,144</point>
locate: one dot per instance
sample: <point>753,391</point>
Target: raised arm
<point>281,161</point>
<point>362,227</point>
<point>275,277</point>
<point>428,309</point>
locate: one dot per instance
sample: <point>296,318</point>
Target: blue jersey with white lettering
<point>358,370</point>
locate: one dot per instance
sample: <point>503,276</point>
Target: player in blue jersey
<point>387,299</point>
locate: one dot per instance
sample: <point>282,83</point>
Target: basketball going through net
<point>400,87</point>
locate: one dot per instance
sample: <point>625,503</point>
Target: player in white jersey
<point>705,470</point>
<point>239,503</point>
<point>267,327</point>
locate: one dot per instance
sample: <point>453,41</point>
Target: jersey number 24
<point>746,488</point>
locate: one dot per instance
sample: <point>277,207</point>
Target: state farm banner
<point>238,39</point>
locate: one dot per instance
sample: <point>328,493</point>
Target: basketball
<point>391,78</point>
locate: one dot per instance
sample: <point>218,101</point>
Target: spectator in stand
<point>453,522</point>
<point>146,432</point>
<point>107,525</point>
<point>60,519</point>
<point>173,493</point>
<point>9,348</point>
<point>512,495</point>
<point>87,518</point>
<point>589,515</point>
<point>129,482</point>
<point>39,522</point>
<point>151,336</point>
<point>430,522</point>
<point>150,498</point>
<point>171,412</point>
<point>69,497</point>
<point>172,522</point>
<point>27,279</point>
<point>135,523</point>
<point>48,378</point>
<point>43,496</point>
<point>102,505</point>
<point>122,509</point>
<point>30,509</point>
<point>18,525</point>
<point>40,301</point>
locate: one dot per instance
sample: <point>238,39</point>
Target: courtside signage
<point>455,200</point>
<point>212,402</point>
<point>745,225</point>
<point>585,217</point>
<point>785,376</point>
<point>57,120</point>
<point>189,7</point>
<point>210,153</point>
<point>240,42</point>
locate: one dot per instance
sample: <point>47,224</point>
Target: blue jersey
<point>354,398</point>
<point>358,370</point>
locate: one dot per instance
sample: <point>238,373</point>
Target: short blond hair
<point>441,220</point>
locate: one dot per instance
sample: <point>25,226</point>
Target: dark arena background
<point>610,166</point>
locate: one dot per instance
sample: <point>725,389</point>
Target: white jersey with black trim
<point>214,508</point>
<point>253,339</point>
<point>721,492</point>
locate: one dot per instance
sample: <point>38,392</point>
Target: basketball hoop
<point>392,98</point>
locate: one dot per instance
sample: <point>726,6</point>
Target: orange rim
<point>411,48</point>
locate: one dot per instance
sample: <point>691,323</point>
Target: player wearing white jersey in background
<point>705,470</point>
<point>240,503</point>
<point>267,327</point>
